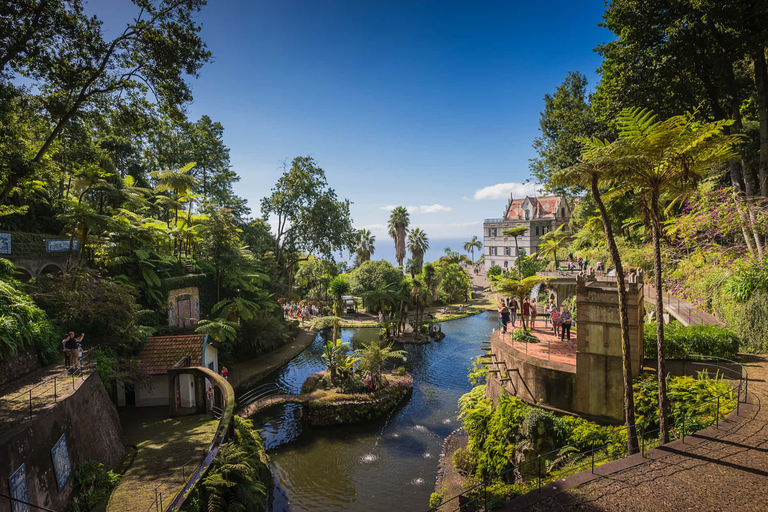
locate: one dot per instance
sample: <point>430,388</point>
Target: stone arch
<point>23,275</point>
<point>51,268</point>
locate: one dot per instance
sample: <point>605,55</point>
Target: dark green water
<point>388,465</point>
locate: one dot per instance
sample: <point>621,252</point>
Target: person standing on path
<point>224,372</point>
<point>504,317</point>
<point>525,310</point>
<point>513,311</point>
<point>70,348</point>
<point>565,323</point>
<point>534,313</point>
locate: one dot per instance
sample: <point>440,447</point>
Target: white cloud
<point>503,191</point>
<point>426,208</point>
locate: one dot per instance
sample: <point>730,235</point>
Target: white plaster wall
<point>156,394</point>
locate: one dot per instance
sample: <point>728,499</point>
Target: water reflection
<point>389,464</point>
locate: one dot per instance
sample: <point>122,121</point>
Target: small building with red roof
<point>539,214</point>
<point>157,355</point>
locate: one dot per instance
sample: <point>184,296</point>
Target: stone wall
<point>599,376</point>
<point>537,381</point>
<point>90,423</point>
<point>23,363</point>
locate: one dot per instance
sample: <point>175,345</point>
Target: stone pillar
<point>599,376</point>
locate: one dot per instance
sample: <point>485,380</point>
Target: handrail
<point>596,447</point>
<point>225,420</point>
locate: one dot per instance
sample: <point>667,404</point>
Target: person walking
<point>70,348</point>
<point>504,317</point>
<point>224,372</point>
<point>525,310</point>
<point>513,307</point>
<point>534,313</point>
<point>555,317</point>
<point>565,323</point>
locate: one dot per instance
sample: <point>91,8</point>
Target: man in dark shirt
<point>70,348</point>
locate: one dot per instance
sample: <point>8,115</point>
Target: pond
<point>390,464</point>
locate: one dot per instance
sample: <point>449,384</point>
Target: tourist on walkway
<point>504,317</point>
<point>513,306</point>
<point>79,364</point>
<point>209,395</point>
<point>70,348</point>
<point>224,372</point>
<point>526,312</point>
<point>565,323</point>
<point>555,317</point>
<point>534,313</point>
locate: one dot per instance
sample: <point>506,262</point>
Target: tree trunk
<point>661,360</point>
<point>517,261</point>
<point>761,81</point>
<point>626,349</point>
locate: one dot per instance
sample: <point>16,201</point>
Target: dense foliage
<point>705,340</point>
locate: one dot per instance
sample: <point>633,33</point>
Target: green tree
<point>595,165</point>
<point>338,288</point>
<point>455,282</point>
<point>471,246</point>
<point>515,233</point>
<point>553,242</point>
<point>373,275</point>
<point>221,247</point>
<point>567,116</point>
<point>658,157</point>
<point>398,229</point>
<point>84,72</point>
<point>365,245</point>
<point>309,217</point>
<point>373,356</point>
<point>521,288</point>
<point>418,243</point>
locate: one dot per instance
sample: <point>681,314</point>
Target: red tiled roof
<point>541,207</point>
<point>161,352</point>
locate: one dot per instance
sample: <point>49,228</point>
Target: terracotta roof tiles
<point>162,352</point>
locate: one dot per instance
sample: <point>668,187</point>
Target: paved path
<point>685,312</point>
<point>725,471</point>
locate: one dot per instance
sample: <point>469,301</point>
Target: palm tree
<point>597,159</point>
<point>373,355</point>
<point>510,287</point>
<point>365,248</point>
<point>177,181</point>
<point>398,228</point>
<point>515,233</point>
<point>338,287</point>
<point>553,242</point>
<point>660,157</point>
<point>336,354</point>
<point>418,243</point>
<point>471,246</point>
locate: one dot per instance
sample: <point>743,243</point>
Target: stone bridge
<point>36,254</point>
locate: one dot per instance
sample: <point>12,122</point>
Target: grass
<point>164,446</point>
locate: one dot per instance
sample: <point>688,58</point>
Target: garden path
<point>721,469</point>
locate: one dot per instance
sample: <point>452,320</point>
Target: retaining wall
<point>90,423</point>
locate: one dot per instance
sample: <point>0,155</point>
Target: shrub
<point>92,484</point>
<point>435,499</point>
<point>465,461</point>
<point>400,371</point>
<point>753,331</point>
<point>85,301</point>
<point>680,341</point>
<point>23,324</point>
<point>494,272</point>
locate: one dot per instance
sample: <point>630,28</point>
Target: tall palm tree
<point>365,248</point>
<point>338,287</point>
<point>663,157</point>
<point>418,243</point>
<point>515,233</point>
<point>553,242</point>
<point>398,228</point>
<point>598,158</point>
<point>471,246</point>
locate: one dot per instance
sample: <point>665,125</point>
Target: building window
<point>527,214</point>
<point>506,251</point>
<point>506,264</point>
<point>537,230</point>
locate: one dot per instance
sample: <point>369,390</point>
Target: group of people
<point>561,319</point>
<point>528,313</point>
<point>369,383</point>
<point>73,351</point>
<point>300,312</point>
<point>582,264</point>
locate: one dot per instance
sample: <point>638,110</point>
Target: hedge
<point>680,341</point>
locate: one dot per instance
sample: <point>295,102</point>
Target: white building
<point>539,214</point>
<point>158,353</point>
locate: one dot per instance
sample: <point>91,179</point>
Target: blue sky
<point>414,103</point>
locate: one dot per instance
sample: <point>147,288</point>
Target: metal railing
<point>476,498</point>
<point>676,305</point>
<point>259,392</point>
<point>549,340</point>
<point>24,405</point>
<point>493,220</point>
